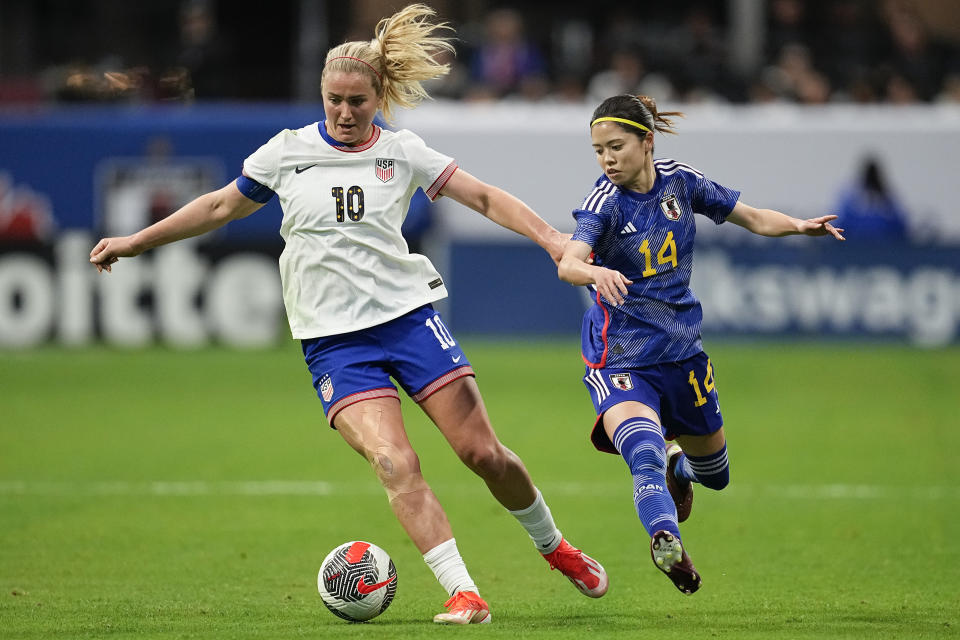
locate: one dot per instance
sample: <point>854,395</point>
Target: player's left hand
<point>820,227</point>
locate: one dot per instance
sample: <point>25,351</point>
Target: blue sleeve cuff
<point>254,190</point>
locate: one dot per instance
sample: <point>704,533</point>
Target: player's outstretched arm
<point>767,222</point>
<point>506,210</point>
<point>208,212</point>
<point>575,268</point>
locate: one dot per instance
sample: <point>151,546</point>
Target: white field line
<point>173,488</point>
<point>254,488</point>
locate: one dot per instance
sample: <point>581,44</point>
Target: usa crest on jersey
<point>326,388</point>
<point>670,207</point>
<point>385,169</point>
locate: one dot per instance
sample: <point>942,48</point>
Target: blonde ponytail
<point>398,59</point>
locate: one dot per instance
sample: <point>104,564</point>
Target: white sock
<point>445,562</point>
<point>538,521</point>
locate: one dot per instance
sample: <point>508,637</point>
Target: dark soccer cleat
<point>668,556</point>
<point>681,491</point>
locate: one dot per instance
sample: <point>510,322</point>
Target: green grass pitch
<point>164,494</point>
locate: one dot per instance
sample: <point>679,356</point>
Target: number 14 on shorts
<point>708,385</point>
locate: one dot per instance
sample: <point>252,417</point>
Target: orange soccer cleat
<point>584,572</point>
<point>464,607</point>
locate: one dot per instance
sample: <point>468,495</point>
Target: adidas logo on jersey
<point>628,229</point>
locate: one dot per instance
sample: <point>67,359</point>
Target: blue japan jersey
<point>648,237</point>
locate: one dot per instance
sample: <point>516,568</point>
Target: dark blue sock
<point>640,442</point>
<point>711,471</point>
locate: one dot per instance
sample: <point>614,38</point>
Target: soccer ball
<point>357,581</point>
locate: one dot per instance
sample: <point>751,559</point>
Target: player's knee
<point>395,467</point>
<point>647,459</point>
<point>489,461</point>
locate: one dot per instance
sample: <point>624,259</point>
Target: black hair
<point>642,109</point>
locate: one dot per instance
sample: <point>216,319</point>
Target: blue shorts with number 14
<point>416,349</point>
<point>684,395</point>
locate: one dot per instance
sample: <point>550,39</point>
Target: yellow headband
<point>623,120</point>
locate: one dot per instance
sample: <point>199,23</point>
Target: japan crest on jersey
<point>670,207</point>
<point>326,388</point>
<point>622,381</point>
<point>385,169</point>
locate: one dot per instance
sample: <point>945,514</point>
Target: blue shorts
<point>415,349</point>
<point>683,394</point>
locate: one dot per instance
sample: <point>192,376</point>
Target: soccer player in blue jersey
<point>360,302</point>
<point>646,370</point>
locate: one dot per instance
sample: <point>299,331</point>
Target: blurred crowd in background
<point>739,51</point>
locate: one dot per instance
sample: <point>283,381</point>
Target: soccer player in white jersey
<point>360,302</point>
<point>646,370</point>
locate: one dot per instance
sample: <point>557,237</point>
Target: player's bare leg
<point>458,411</point>
<point>374,428</point>
<point>703,445</point>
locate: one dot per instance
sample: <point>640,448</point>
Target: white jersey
<point>345,265</point>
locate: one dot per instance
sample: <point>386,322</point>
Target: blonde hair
<point>398,59</point>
